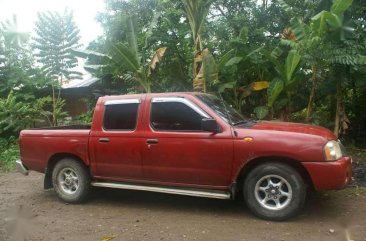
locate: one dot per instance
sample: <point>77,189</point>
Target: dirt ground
<point>26,209</point>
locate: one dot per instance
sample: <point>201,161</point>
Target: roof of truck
<point>128,96</point>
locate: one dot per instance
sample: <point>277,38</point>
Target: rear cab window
<point>121,115</point>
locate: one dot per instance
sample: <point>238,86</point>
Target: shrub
<point>9,153</point>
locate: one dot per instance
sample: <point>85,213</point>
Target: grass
<point>9,153</point>
<point>358,154</point>
<point>355,191</point>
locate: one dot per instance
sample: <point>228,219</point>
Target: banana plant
<point>204,67</point>
<point>124,60</point>
<point>332,20</point>
<point>243,64</point>
<point>285,79</point>
<point>327,30</point>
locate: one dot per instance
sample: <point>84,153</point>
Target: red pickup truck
<point>188,144</point>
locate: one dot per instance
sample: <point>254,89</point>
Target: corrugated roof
<point>87,80</point>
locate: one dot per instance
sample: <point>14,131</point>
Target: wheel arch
<point>51,163</point>
<point>251,164</point>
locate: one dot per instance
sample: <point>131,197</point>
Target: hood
<point>294,127</point>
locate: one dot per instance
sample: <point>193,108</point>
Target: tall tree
<point>197,11</point>
<point>12,36</point>
<point>56,35</point>
<point>17,70</point>
<point>20,80</point>
<point>125,59</point>
<point>158,23</point>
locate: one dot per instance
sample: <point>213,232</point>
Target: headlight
<point>332,151</point>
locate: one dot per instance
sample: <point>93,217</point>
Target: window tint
<point>229,114</point>
<point>174,116</point>
<point>120,116</point>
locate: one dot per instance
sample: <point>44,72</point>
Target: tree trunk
<point>199,84</point>
<point>264,4</point>
<point>54,117</point>
<point>338,110</point>
<point>289,108</point>
<point>309,110</point>
<point>285,115</point>
<point>341,120</point>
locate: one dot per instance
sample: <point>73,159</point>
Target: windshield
<point>225,111</point>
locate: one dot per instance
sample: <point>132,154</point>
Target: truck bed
<point>39,145</point>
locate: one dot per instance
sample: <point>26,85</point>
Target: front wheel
<point>274,191</point>
<point>71,181</point>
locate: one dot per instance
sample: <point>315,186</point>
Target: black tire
<point>280,188</point>
<point>71,181</point>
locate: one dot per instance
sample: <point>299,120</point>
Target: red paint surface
<point>192,159</point>
<point>330,175</point>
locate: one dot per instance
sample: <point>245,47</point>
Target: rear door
<point>178,151</point>
<point>116,145</point>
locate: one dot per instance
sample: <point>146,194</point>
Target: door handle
<point>103,140</point>
<point>152,141</point>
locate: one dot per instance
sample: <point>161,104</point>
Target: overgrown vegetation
<point>56,35</point>
<point>358,155</point>
<point>291,60</point>
<point>9,153</point>
<point>286,59</point>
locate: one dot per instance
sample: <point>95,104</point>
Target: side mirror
<point>210,125</point>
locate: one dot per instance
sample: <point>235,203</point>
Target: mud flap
<point>47,184</point>
<point>233,190</point>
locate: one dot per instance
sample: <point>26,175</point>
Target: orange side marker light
<point>248,139</point>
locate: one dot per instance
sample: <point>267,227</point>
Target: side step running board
<point>171,190</point>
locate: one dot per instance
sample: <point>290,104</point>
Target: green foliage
<point>233,61</point>
<point>285,80</point>
<point>291,64</point>
<point>84,119</point>
<point>274,90</point>
<point>56,35</point>
<point>196,13</point>
<point>17,70</point>
<point>210,69</point>
<point>311,52</point>
<point>14,115</point>
<point>12,35</point>
<point>340,6</point>
<point>124,59</point>
<point>9,153</point>
<point>240,68</point>
<point>204,66</point>
<point>358,154</point>
<point>261,112</point>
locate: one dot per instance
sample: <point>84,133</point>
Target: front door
<point>177,150</point>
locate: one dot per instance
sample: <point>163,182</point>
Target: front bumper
<point>21,168</point>
<point>330,175</point>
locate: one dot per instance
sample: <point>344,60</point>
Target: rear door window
<point>121,114</point>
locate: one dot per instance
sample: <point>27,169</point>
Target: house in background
<point>80,95</point>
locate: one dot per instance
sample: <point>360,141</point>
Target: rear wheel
<point>71,181</point>
<point>274,191</point>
